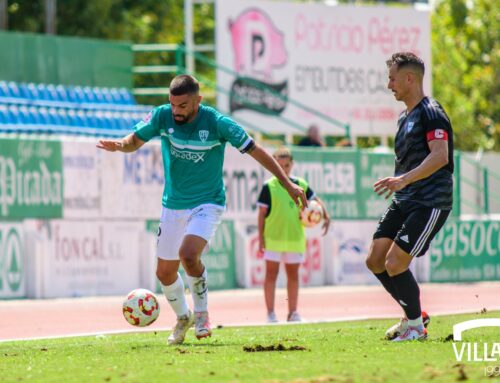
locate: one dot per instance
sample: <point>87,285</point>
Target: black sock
<point>409,293</point>
<point>386,281</point>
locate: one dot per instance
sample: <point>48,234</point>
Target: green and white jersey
<point>193,154</point>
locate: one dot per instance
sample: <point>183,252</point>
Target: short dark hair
<point>184,84</point>
<point>406,59</point>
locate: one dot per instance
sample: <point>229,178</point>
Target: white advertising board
<point>132,183</point>
<point>329,58</point>
<point>12,261</point>
<point>85,258</point>
<point>81,169</point>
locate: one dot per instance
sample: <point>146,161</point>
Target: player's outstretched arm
<point>128,144</point>
<point>266,160</point>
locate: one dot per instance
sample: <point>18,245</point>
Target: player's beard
<point>184,120</point>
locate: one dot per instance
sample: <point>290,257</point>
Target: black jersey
<point>427,121</point>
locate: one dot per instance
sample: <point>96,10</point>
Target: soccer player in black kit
<point>422,185</point>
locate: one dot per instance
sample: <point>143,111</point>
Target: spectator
<point>313,137</point>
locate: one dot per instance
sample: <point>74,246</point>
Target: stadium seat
<point>13,115</point>
<point>54,117</point>
<point>25,117</point>
<point>126,97</point>
<point>62,93</point>
<point>77,95</point>
<point>4,89</point>
<point>13,90</point>
<point>107,97</point>
<point>4,114</point>
<point>24,91</point>
<point>89,95</point>
<point>63,115</point>
<point>52,93</point>
<point>43,93</point>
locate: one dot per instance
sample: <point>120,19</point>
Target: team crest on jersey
<point>410,126</point>
<point>203,135</point>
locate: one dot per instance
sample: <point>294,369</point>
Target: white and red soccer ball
<point>312,214</point>
<point>140,307</point>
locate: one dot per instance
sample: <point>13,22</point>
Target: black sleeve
<point>265,196</point>
<point>309,193</point>
<point>434,119</point>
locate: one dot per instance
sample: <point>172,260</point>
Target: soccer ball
<point>312,214</point>
<point>141,307</point>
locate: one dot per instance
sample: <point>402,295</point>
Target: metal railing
<point>480,181</point>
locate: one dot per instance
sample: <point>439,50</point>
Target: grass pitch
<point>320,353</point>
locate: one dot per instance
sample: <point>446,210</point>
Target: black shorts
<point>411,226</point>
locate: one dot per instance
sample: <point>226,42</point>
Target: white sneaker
<point>271,318</point>
<point>412,333</point>
<point>181,327</point>
<point>202,325</point>
<point>399,328</point>
<point>294,317</point>
<point>402,326</point>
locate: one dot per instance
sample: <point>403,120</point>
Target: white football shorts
<point>201,221</point>
<point>276,256</point>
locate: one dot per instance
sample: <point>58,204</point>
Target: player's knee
<point>375,264</point>
<point>188,257</point>
<point>393,267</point>
<point>165,276</point>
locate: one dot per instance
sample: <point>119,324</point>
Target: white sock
<point>199,291</point>
<point>418,323</point>
<point>175,296</point>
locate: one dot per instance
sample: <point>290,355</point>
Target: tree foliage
<point>465,50</point>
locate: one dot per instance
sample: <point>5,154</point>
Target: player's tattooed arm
<point>128,144</point>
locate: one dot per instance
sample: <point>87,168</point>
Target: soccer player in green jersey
<point>282,235</point>
<point>193,138</point>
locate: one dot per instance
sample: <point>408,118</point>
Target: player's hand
<point>110,145</point>
<point>326,222</point>
<point>262,245</point>
<point>388,185</point>
<point>297,194</point>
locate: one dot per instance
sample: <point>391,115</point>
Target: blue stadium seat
<point>35,115</point>
<point>25,116</point>
<point>4,114</point>
<point>33,91</point>
<point>52,93</point>
<point>54,117</point>
<point>13,116</point>
<point>126,97</point>
<point>24,91</point>
<point>13,90</point>
<point>43,116</point>
<point>63,115</point>
<point>107,97</point>
<point>98,95</point>
<point>43,93</point>
<point>76,94</point>
<point>89,95</point>
<point>4,89</point>
<point>62,93</point>
<point>115,95</point>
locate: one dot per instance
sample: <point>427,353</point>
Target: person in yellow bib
<point>282,235</point>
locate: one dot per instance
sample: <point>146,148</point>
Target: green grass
<point>334,352</point>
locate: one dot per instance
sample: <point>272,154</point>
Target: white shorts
<point>201,221</point>
<point>276,256</point>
